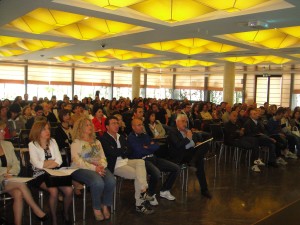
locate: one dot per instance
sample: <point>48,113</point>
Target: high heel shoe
<point>98,215</point>
<point>106,213</point>
<point>44,218</point>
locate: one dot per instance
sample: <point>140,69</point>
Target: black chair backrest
<point>216,132</point>
<point>26,168</point>
<point>24,138</point>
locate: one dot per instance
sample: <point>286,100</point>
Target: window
<point>88,81</point>
<point>159,86</point>
<point>45,81</point>
<point>122,84</point>
<point>190,87</point>
<point>11,81</point>
<point>268,89</point>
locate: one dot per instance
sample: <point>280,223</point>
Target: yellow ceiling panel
<point>99,54</point>
<point>231,5</point>
<point>192,42</point>
<point>171,62</point>
<point>270,38</point>
<point>189,51</point>
<point>8,53</point>
<point>106,26</point>
<point>252,60</point>
<point>113,4</point>
<point>190,46</point>
<point>80,31</point>
<point>172,10</point>
<point>34,45</point>
<point>42,20</point>
<point>5,40</point>
<point>293,31</point>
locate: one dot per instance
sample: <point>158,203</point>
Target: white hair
<point>180,116</point>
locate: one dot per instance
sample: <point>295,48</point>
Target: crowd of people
<point>133,140</point>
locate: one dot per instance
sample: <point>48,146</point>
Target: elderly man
<point>143,147</point>
<point>181,146</point>
<point>116,152</point>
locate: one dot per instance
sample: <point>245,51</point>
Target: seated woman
<point>63,133</point>
<point>87,154</point>
<point>10,166</point>
<point>44,153</point>
<point>153,127</point>
<point>99,120</point>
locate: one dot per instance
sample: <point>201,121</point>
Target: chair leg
<point>84,202</point>
<point>41,200</point>
<point>30,216</point>
<point>73,202</point>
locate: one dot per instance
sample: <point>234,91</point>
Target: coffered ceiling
<point>151,33</point>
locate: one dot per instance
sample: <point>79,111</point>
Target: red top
<point>99,125</point>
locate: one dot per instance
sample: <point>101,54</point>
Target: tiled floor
<point>240,197</point>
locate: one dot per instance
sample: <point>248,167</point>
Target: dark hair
<point>137,107</point>
<point>38,107</point>
<point>63,113</point>
<point>96,108</point>
<point>108,119</point>
<point>147,116</point>
<point>280,110</point>
<point>16,108</point>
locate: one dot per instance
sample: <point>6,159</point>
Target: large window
<point>268,89</point>
<point>88,81</point>
<point>122,84</point>
<point>45,81</point>
<point>190,87</point>
<point>11,81</point>
<point>159,86</point>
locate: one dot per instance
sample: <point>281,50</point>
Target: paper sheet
<point>64,171</point>
<point>19,179</point>
<point>201,143</point>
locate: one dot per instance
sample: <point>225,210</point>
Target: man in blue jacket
<point>143,147</point>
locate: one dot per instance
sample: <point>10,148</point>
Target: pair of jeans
<point>154,167</point>
<point>101,188</point>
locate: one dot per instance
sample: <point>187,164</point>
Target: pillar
<point>228,82</point>
<point>136,78</point>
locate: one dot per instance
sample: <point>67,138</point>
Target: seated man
<point>255,128</point>
<point>143,147</point>
<point>116,152</point>
<point>181,144</point>
<point>234,135</point>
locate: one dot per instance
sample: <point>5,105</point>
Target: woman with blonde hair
<point>87,154</point>
<point>44,153</point>
<point>9,167</point>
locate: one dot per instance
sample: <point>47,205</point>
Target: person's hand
<point>272,139</point>
<point>100,170</point>
<point>8,175</point>
<point>189,134</point>
<point>242,131</point>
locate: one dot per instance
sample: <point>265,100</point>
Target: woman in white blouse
<point>9,167</point>
<point>44,153</point>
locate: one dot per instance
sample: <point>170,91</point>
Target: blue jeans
<point>154,167</point>
<point>102,188</point>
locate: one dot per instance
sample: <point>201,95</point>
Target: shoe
<point>281,161</point>
<point>259,162</point>
<point>98,215</point>
<point>146,196</point>
<point>44,218</point>
<point>144,208</point>
<point>291,155</point>
<point>273,164</point>
<point>106,213</point>
<point>255,168</point>
<point>167,195</point>
<point>206,194</point>
<point>154,202</point>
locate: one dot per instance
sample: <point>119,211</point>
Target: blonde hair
<point>36,130</point>
<point>2,124</point>
<point>79,126</point>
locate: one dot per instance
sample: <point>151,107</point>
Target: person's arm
<point>77,160</point>
<point>37,157</point>
<point>55,152</point>
<point>102,155</point>
<point>176,142</point>
<point>13,164</point>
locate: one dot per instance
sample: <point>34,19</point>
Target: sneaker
<point>167,195</point>
<point>145,196</point>
<point>154,202</point>
<point>259,162</point>
<point>291,155</point>
<point>144,208</point>
<point>255,168</point>
<point>281,161</point>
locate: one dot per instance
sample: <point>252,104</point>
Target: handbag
<point>295,131</point>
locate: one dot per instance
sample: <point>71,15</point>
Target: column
<point>228,82</point>
<point>136,78</point>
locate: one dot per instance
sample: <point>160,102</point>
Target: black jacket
<point>111,150</point>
